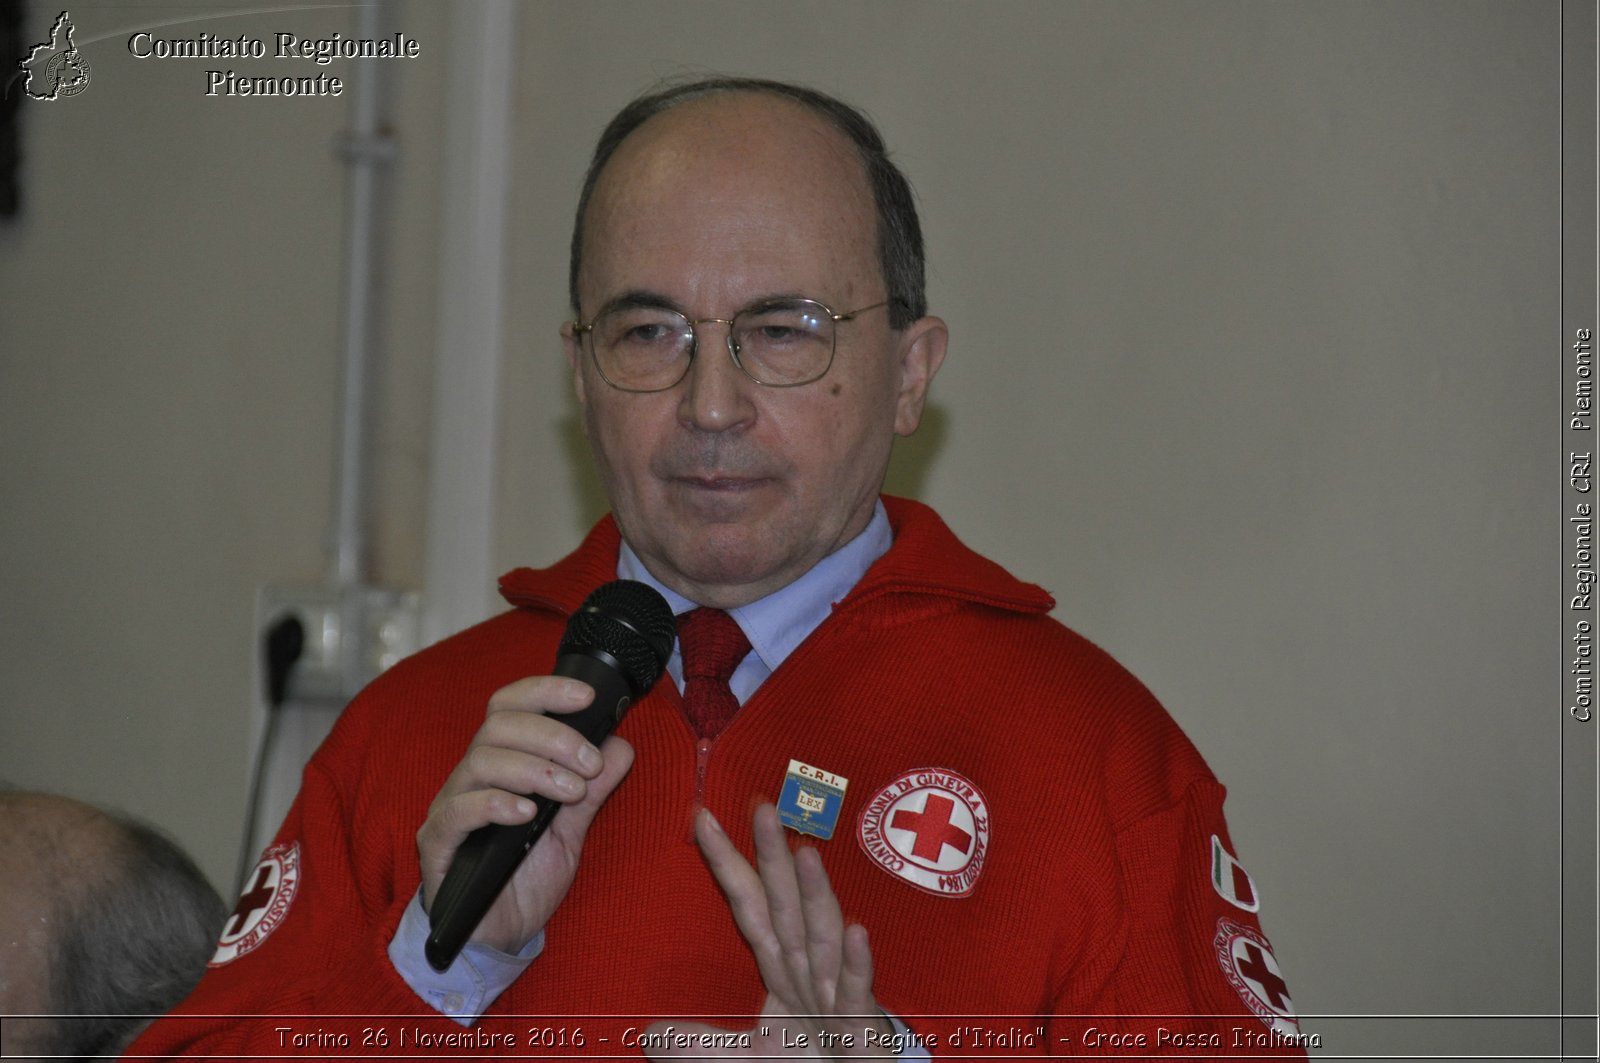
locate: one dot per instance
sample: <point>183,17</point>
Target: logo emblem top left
<point>55,68</point>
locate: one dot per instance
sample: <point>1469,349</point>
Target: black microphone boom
<point>618,642</point>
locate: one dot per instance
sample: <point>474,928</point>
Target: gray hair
<point>133,942</point>
<point>899,232</point>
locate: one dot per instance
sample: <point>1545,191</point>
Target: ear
<point>572,347</point>
<point>922,346</point>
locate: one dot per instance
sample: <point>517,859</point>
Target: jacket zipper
<point>702,761</point>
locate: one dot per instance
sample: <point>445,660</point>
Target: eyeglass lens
<point>647,348</point>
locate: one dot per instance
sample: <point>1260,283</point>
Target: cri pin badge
<point>811,800</point>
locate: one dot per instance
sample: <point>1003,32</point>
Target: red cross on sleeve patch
<point>929,827</point>
<point>1250,967</point>
<point>268,892</point>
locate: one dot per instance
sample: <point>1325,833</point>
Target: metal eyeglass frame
<point>733,347</point>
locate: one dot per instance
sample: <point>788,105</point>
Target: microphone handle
<point>487,858</point>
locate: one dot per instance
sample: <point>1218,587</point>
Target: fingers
<point>855,976</point>
<point>789,915</point>
<point>522,749</point>
<point>785,909</point>
<point>823,924</point>
<point>573,823</point>
<point>526,717</point>
<point>742,886</point>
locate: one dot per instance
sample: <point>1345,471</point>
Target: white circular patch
<point>1247,962</point>
<point>929,827</point>
<point>269,891</point>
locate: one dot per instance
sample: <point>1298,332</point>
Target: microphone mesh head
<point>629,621</point>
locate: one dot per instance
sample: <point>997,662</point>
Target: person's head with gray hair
<point>104,922</point>
<point>899,235</point>
<point>767,218</point>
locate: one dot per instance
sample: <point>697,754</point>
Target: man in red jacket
<point>1004,833</point>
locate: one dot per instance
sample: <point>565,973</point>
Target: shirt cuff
<point>466,988</point>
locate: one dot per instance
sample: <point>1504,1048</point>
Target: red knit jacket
<point>1085,826</point>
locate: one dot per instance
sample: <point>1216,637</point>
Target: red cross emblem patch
<point>268,892</point>
<point>1250,967</point>
<point>929,827</point>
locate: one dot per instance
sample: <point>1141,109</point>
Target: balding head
<point>897,230</point>
<point>55,850</point>
<point>99,916</point>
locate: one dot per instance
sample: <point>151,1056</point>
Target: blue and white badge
<point>811,800</point>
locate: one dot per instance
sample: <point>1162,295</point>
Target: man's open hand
<point>817,970</point>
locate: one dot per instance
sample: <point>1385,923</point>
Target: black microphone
<point>618,642</point>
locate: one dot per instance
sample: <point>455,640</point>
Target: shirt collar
<point>778,623</point>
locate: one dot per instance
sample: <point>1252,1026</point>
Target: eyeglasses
<point>782,343</point>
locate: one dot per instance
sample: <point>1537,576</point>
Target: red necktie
<point>712,646</point>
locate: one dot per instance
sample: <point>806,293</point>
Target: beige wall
<point>1246,303</point>
<point>170,345</point>
<point>1243,302</point>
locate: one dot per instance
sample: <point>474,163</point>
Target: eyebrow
<point>643,298</point>
<point>636,298</point>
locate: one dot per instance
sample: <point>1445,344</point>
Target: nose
<point>718,397</point>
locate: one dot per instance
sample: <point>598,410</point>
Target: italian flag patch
<point>1229,879</point>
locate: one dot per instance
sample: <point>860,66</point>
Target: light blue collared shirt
<point>775,625</point>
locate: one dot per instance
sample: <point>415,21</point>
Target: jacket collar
<point>563,586</point>
<point>926,559</point>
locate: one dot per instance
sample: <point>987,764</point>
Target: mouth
<point>719,484</point>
